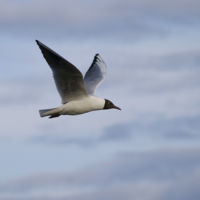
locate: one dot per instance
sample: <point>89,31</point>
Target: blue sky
<point>152,52</point>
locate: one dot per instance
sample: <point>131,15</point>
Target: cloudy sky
<point>150,150</point>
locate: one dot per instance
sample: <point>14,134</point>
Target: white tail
<point>48,112</point>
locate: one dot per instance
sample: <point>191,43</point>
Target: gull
<point>77,93</point>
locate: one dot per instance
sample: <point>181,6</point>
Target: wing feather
<point>95,74</point>
<point>68,79</point>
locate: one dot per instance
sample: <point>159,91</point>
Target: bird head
<point>109,105</point>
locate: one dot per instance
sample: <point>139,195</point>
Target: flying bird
<point>77,93</point>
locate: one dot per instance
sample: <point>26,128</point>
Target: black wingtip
<point>96,57</point>
<point>38,42</point>
<point>41,45</point>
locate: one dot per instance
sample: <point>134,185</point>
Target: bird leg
<point>54,115</point>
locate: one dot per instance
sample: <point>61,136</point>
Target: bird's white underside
<point>84,105</point>
<point>78,107</point>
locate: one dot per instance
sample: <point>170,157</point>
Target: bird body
<point>84,105</point>
<point>77,94</point>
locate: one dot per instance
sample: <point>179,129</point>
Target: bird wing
<point>68,79</point>
<point>95,74</point>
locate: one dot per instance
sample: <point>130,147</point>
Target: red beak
<point>117,108</point>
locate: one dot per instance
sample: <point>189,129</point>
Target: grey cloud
<point>183,128</point>
<point>82,142</point>
<point>117,133</point>
<point>166,10</point>
<point>22,90</point>
<point>47,180</point>
<point>162,173</point>
<point>185,189</point>
<point>79,13</point>
<point>153,75</point>
<point>177,128</point>
<point>159,165</point>
<point>152,82</point>
<point>178,134</point>
<point>171,61</point>
<point>123,20</point>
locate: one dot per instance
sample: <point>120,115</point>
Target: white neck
<point>97,103</point>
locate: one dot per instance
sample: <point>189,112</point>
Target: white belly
<point>82,106</point>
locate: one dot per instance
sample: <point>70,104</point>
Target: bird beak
<point>117,108</point>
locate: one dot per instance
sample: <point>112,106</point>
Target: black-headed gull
<point>77,94</point>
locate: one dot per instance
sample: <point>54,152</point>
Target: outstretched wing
<point>95,74</point>
<point>68,79</point>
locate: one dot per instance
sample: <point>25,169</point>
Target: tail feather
<point>48,112</point>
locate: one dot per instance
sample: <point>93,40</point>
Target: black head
<point>109,105</point>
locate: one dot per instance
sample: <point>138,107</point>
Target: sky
<point>150,150</point>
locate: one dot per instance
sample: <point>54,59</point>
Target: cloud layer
<point>163,174</point>
<point>122,20</point>
<point>149,150</point>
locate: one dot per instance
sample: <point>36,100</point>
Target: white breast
<point>82,106</point>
